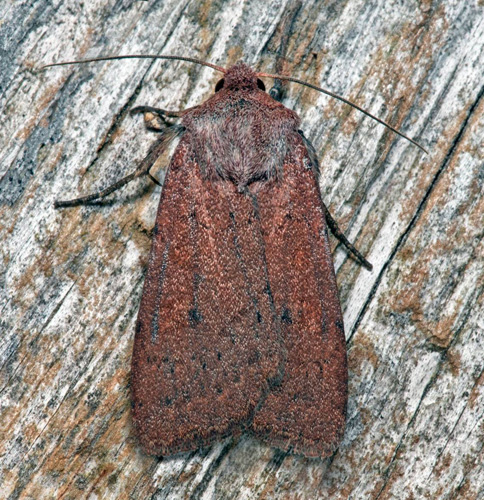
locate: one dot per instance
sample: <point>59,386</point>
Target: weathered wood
<point>71,279</point>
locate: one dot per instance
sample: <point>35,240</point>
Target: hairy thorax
<point>241,135</point>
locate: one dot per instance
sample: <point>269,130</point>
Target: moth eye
<point>219,85</point>
<point>261,85</point>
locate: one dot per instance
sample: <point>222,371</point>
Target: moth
<point>240,325</point>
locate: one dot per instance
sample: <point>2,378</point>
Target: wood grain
<point>70,280</point>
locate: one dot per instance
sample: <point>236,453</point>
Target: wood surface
<point>71,279</point>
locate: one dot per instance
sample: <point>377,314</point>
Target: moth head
<point>238,77</point>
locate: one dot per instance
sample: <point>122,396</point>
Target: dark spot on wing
<point>194,316</point>
<point>286,316</point>
<point>254,357</point>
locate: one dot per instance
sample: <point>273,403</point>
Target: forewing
<point>207,342</point>
<point>306,411</point>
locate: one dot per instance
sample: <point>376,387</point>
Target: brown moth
<point>240,325</point>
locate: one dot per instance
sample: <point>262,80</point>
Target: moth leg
<point>333,225</point>
<point>158,111</point>
<point>157,119</point>
<point>289,16</point>
<point>143,169</point>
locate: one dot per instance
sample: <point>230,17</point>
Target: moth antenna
<point>138,56</point>
<point>336,96</point>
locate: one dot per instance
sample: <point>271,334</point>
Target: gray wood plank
<point>70,280</point>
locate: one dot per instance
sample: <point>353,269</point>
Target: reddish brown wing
<point>306,411</point>
<point>207,342</point>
